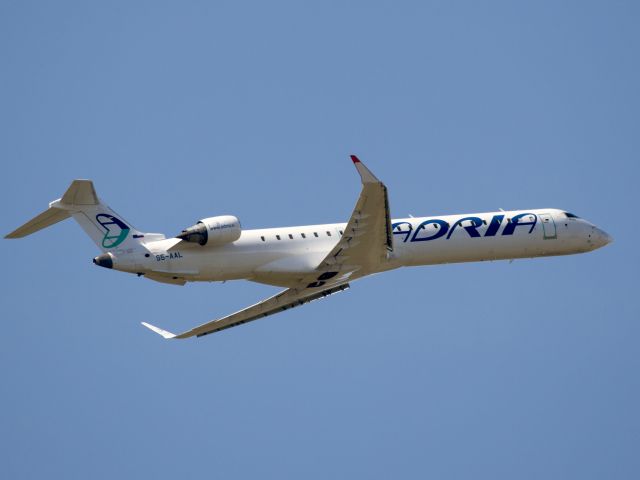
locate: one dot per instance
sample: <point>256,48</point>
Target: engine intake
<point>213,231</point>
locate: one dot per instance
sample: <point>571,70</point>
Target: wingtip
<point>365,173</point>
<point>159,331</point>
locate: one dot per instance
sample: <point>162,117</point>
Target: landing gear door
<point>548,226</point>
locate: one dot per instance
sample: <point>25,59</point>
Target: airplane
<point>313,261</point>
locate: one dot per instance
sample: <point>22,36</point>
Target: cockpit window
<point>571,215</point>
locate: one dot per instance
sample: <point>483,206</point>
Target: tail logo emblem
<point>115,230</point>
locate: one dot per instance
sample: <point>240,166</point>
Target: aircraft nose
<point>602,237</point>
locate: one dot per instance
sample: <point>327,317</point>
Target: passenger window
<point>262,239</point>
<point>303,235</point>
<point>328,233</point>
<point>341,232</point>
<point>315,234</point>
<point>291,236</point>
<point>278,237</point>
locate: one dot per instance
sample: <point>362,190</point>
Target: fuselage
<point>277,255</point>
<point>311,261</point>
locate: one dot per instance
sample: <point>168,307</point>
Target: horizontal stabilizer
<point>80,192</point>
<point>47,218</point>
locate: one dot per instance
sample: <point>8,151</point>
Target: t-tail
<point>107,229</point>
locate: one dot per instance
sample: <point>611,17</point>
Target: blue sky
<point>184,110</point>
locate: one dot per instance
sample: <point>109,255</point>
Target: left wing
<point>365,244</point>
<point>290,298</point>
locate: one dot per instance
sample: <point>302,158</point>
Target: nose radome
<point>603,238</point>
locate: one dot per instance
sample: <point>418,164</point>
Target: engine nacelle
<point>213,231</point>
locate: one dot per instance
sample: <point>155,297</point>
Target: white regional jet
<point>313,261</point>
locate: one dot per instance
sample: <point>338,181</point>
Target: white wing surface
<point>366,241</point>
<point>290,298</point>
<point>367,237</point>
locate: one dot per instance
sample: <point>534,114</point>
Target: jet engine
<point>213,231</point>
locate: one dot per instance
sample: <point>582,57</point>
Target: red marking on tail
<point>355,159</point>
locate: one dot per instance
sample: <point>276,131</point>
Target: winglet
<point>365,173</point>
<point>159,331</point>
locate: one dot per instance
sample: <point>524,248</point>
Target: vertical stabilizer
<point>107,229</point>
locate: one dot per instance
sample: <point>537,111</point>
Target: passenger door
<point>548,226</point>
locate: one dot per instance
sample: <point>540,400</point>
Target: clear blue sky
<point>183,110</point>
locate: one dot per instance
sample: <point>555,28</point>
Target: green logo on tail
<point>115,230</point>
